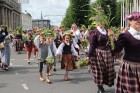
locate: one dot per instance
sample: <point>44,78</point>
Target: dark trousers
<point>41,67</point>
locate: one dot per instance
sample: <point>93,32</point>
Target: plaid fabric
<point>128,80</point>
<point>103,68</point>
<point>18,44</point>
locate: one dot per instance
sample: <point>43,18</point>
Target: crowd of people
<point>68,46</point>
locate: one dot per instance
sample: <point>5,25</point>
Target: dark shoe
<point>101,89</point>
<point>49,81</point>
<point>29,62</point>
<point>89,71</point>
<point>54,69</point>
<point>6,69</point>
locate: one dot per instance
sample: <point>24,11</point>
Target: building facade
<point>41,23</point>
<point>26,21</point>
<point>10,11</point>
<point>128,6</point>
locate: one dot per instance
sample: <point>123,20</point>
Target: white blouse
<point>60,49</point>
<point>134,33</point>
<point>103,31</point>
<point>77,35</point>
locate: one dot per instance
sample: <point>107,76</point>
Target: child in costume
<point>42,55</point>
<point>67,50</point>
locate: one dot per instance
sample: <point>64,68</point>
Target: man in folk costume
<point>67,50</point>
<point>101,58</point>
<point>128,80</point>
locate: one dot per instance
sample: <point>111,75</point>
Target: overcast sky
<point>49,9</point>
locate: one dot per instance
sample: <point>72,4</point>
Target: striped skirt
<point>103,68</point>
<point>128,80</point>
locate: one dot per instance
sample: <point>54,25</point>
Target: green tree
<point>77,12</point>
<point>118,14</point>
<point>114,9</point>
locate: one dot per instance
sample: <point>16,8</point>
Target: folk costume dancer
<point>128,80</point>
<point>67,50</point>
<point>101,58</point>
<point>28,46</point>
<point>42,55</point>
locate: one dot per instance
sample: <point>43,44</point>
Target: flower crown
<point>132,16</point>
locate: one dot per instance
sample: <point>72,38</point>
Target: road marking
<point>27,59</point>
<point>18,65</point>
<point>16,73</point>
<point>11,64</point>
<point>25,86</point>
<point>12,59</point>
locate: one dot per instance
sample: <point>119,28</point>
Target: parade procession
<point>70,46</point>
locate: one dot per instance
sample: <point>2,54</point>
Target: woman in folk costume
<point>5,52</point>
<point>84,41</point>
<point>58,38</point>
<point>128,80</point>
<point>28,46</point>
<point>77,35</point>
<point>42,55</point>
<point>18,42</point>
<point>101,58</point>
<point>67,50</point>
<point>62,30</point>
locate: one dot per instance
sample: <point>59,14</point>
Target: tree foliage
<point>77,12</point>
<point>115,10</point>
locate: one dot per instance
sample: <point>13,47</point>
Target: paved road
<point>24,78</point>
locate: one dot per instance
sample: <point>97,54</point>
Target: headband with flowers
<point>133,16</point>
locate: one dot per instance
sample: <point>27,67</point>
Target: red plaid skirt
<point>128,80</point>
<point>103,68</point>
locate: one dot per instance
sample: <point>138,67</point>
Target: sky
<point>51,9</point>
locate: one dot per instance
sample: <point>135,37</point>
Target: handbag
<point>1,45</point>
